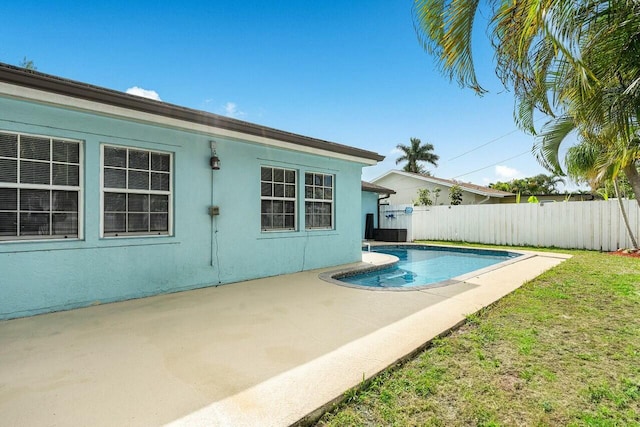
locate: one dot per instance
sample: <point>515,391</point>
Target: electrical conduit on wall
<point>215,258</point>
<point>304,250</point>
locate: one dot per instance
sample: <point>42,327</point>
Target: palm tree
<point>550,182</point>
<point>590,161</point>
<point>606,152</point>
<point>605,107</point>
<point>415,153</point>
<point>28,64</point>
<point>577,61</point>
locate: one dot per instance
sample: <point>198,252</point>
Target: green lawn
<point>564,349</point>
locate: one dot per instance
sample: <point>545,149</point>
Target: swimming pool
<point>420,266</point>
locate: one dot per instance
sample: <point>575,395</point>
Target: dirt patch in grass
<point>633,253</point>
<point>511,383</point>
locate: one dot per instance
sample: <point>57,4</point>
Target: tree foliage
<point>598,161</point>
<point>455,195</point>
<point>28,64</point>
<point>539,184</point>
<point>624,188</point>
<point>424,198</point>
<point>415,153</point>
<point>577,61</point>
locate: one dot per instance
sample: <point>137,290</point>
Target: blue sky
<point>350,72</point>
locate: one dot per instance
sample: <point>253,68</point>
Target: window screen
<point>40,187</point>
<point>318,200</point>
<point>136,191</point>
<point>277,198</point>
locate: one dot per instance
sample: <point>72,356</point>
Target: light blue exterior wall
<point>44,276</point>
<point>369,205</point>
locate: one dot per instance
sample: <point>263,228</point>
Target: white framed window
<point>318,201</point>
<point>278,199</point>
<point>40,187</point>
<point>137,196</point>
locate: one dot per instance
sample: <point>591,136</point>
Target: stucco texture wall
<point>407,189</point>
<point>369,205</point>
<point>41,276</point>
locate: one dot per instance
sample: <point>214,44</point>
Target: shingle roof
<point>58,85</point>
<point>374,188</point>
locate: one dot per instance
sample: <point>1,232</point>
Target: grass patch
<point>564,349</point>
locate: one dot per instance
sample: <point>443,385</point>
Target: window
<point>277,198</point>
<point>318,201</point>
<point>137,196</point>
<point>39,187</point>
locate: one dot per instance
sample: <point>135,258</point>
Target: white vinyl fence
<point>594,225</point>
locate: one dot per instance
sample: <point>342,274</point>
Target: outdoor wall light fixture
<point>215,160</point>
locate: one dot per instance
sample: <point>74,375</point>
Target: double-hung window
<point>277,199</point>
<point>137,196</point>
<point>318,200</point>
<point>40,187</point>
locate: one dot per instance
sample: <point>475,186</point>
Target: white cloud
<point>506,173</point>
<point>231,110</point>
<point>145,93</point>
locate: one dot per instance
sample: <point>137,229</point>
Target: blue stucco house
<point>106,196</point>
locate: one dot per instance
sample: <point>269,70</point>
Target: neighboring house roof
<point>472,188</point>
<point>374,188</point>
<point>56,85</point>
<point>559,196</point>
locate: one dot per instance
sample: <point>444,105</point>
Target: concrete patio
<point>263,352</point>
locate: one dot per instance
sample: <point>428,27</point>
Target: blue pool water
<point>425,265</point>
